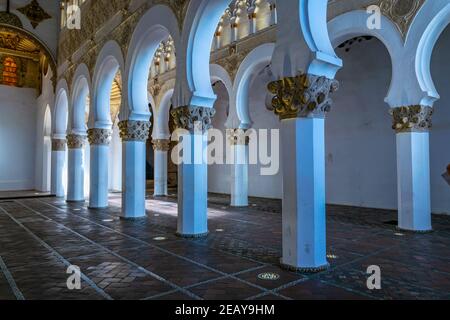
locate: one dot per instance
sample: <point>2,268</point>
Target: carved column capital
<point>134,130</point>
<point>75,141</point>
<point>161,144</point>
<point>58,145</point>
<point>193,118</point>
<point>303,96</point>
<point>99,136</point>
<point>414,118</point>
<point>238,137</point>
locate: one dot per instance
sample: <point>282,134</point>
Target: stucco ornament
<point>415,118</point>
<point>238,137</point>
<point>134,130</point>
<point>99,136</point>
<point>161,144</point>
<point>35,13</point>
<point>401,12</point>
<point>59,145</point>
<point>193,118</point>
<point>303,96</point>
<point>75,141</point>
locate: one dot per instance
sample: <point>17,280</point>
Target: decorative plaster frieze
<point>401,12</point>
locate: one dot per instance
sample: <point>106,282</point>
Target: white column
<point>58,161</point>
<point>273,13</point>
<point>75,186</point>
<point>252,20</point>
<point>161,148</point>
<point>239,169</point>
<point>304,219</point>
<point>234,30</point>
<point>303,164</point>
<point>217,40</point>
<point>193,187</point>
<point>193,170</point>
<point>99,140</point>
<point>413,167</point>
<point>134,135</point>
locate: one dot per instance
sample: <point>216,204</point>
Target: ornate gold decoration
<point>11,19</point>
<point>161,144</point>
<point>304,96</point>
<point>155,88</point>
<point>9,41</point>
<point>238,137</point>
<point>30,55</point>
<point>99,136</point>
<point>233,60</point>
<point>75,141</point>
<point>180,8</point>
<point>116,97</point>
<point>58,145</point>
<point>415,118</point>
<point>193,118</point>
<point>401,12</point>
<point>34,12</point>
<point>134,130</point>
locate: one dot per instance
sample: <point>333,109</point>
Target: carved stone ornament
<point>401,12</point>
<point>412,118</point>
<point>193,118</point>
<point>303,96</point>
<point>75,141</point>
<point>134,130</point>
<point>58,145</point>
<point>11,19</point>
<point>238,137</point>
<point>161,144</point>
<point>34,12</point>
<point>99,136</point>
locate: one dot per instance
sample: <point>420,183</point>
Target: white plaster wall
<point>17,138</point>
<point>360,142</point>
<point>259,185</point>
<point>43,134</point>
<point>440,134</point>
<point>219,175</point>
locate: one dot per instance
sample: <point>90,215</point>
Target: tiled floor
<point>143,259</point>
<point>23,194</point>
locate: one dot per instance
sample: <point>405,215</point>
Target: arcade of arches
<point>351,95</point>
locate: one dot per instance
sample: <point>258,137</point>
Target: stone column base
<point>304,270</point>
<point>414,231</point>
<point>192,236</point>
